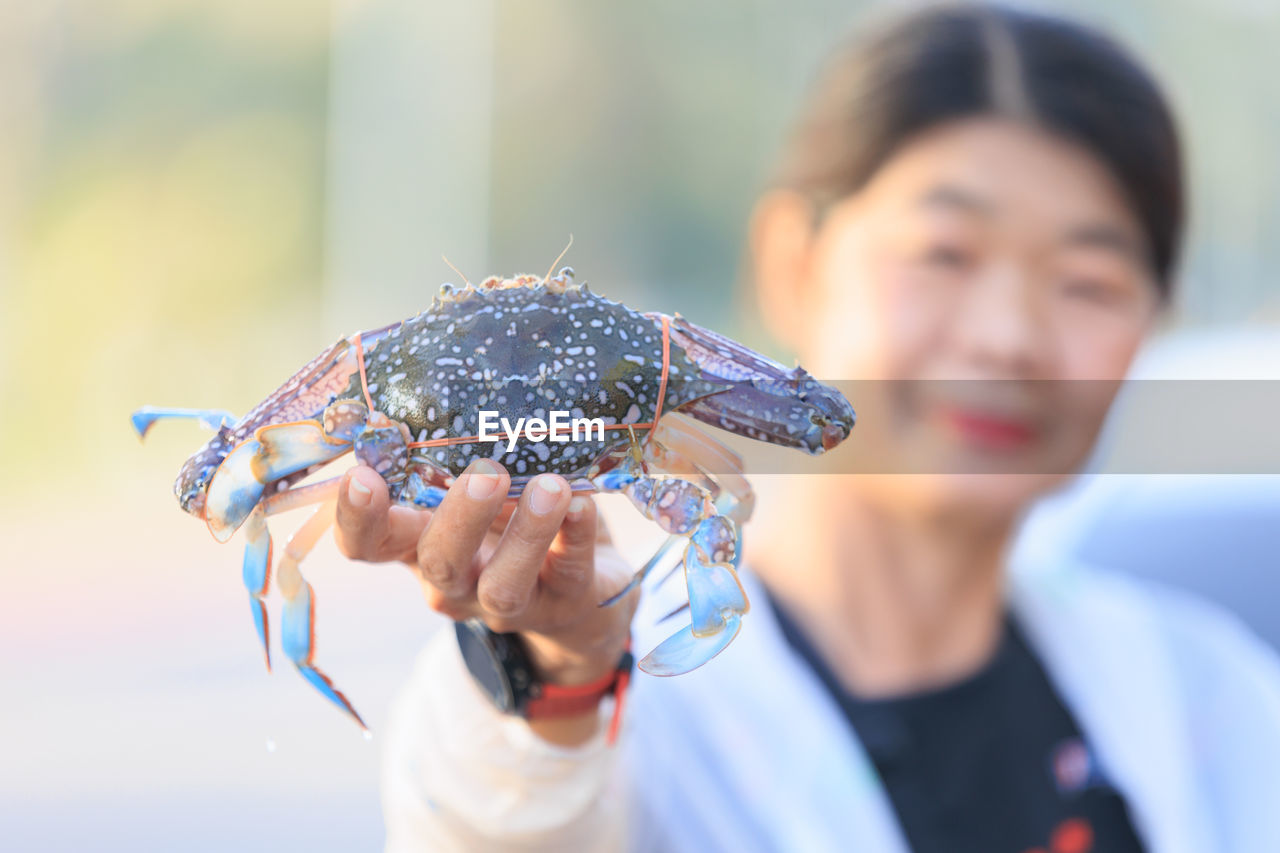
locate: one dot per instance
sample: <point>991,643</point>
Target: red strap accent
<point>556,700</point>
<point>662,385</point>
<point>472,439</point>
<point>560,701</point>
<point>364,380</point>
<point>619,697</point>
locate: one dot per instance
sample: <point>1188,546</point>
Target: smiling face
<point>987,268</point>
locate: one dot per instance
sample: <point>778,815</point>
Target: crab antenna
<point>557,260</point>
<point>458,271</point>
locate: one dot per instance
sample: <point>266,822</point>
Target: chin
<point>980,498</point>
<point>930,468</point>
<point>989,496</point>
<point>966,478</point>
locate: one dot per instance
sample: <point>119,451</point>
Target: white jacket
<point>750,753</point>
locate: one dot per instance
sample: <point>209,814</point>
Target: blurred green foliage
<point>164,167</point>
<point>167,180</point>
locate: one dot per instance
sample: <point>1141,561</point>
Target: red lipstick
<point>987,430</point>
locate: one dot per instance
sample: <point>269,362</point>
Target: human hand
<point>539,567</point>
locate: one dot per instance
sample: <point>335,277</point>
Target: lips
<point>989,430</point>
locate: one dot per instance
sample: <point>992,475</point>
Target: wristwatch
<point>500,666</point>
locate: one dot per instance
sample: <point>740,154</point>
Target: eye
<point>948,257</point>
<point>1090,290</point>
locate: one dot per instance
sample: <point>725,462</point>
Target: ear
<point>782,235</point>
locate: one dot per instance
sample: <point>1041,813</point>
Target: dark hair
<point>953,62</point>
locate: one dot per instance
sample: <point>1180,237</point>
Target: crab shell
<point>526,347</point>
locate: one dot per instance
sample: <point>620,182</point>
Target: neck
<point>895,602</point>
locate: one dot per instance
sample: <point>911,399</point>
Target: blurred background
<point>198,196</point>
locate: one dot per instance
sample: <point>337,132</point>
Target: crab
<point>407,399</point>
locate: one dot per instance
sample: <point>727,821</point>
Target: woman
<point>982,208</point>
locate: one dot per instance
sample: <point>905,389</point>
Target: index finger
<point>368,526</point>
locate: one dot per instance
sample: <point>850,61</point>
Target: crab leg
<point>208,418</point>
<point>418,493</point>
<point>683,450</point>
<point>258,548</point>
<point>643,572</point>
<point>297,630</point>
<point>717,601</point>
<point>235,498</point>
<point>257,574</point>
<point>728,504</point>
<point>716,598</point>
<point>300,496</point>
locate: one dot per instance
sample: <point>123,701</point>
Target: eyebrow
<point>1104,236</point>
<point>955,197</point>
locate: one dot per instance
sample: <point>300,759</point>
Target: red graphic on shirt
<point>1073,835</point>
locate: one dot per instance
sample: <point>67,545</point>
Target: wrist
<point>558,664</point>
<point>569,713</point>
<point>567,689</point>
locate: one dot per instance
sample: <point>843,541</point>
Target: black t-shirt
<point>993,764</point>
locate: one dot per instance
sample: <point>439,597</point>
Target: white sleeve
<point>1235,706</point>
<point>460,775</point>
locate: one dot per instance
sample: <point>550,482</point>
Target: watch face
<point>474,639</point>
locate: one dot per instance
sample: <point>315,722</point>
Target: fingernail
<point>546,494</point>
<point>577,507</point>
<point>358,494</point>
<point>482,480</point>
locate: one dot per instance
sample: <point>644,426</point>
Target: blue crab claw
<point>683,652</point>
<point>714,590</point>
<point>716,602</point>
<point>274,452</point>
<point>297,636</point>
<point>293,447</point>
<point>207,418</point>
<point>233,492</point>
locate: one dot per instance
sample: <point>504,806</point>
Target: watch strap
<point>500,667</point>
<point>557,700</point>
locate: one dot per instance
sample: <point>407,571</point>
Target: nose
<point>998,327</point>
